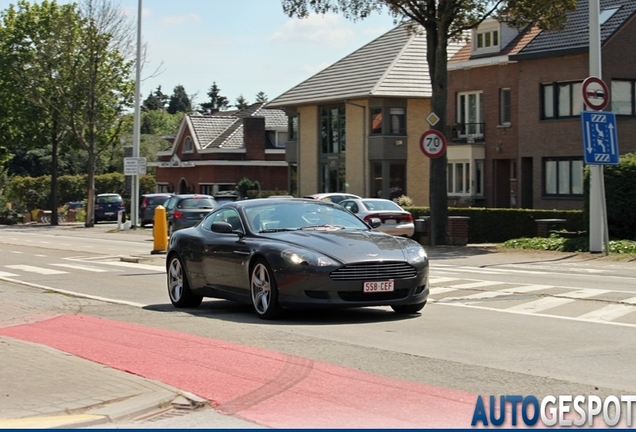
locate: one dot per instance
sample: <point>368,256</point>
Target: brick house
<point>515,100</point>
<point>212,153</point>
<point>356,125</point>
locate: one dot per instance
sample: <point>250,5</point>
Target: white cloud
<point>314,29</point>
<point>172,20</point>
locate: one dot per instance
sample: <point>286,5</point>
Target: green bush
<point>564,244</point>
<point>620,197</point>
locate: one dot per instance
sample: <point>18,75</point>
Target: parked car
<point>288,253</point>
<point>148,204</point>
<point>107,205</point>
<point>225,196</point>
<point>184,211</point>
<point>74,205</point>
<point>334,197</point>
<point>395,220</point>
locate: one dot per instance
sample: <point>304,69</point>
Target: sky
<point>245,46</point>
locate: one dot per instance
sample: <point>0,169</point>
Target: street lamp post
<point>134,202</point>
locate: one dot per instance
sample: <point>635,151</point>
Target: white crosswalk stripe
<point>34,269</point>
<point>541,305</point>
<point>609,312</point>
<point>7,274</point>
<point>82,267</point>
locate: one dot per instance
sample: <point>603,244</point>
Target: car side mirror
<point>225,228</point>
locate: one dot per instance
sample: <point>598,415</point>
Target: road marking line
<point>160,269</point>
<point>478,296</point>
<point>81,267</point>
<point>585,293</point>
<point>441,280</point>
<point>15,252</point>
<point>629,300</point>
<point>529,288</point>
<point>441,290</point>
<point>33,269</point>
<point>540,305</point>
<point>5,274</point>
<point>609,312</point>
<point>477,284</point>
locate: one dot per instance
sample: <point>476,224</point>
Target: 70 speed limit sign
<point>433,143</point>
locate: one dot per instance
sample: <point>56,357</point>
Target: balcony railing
<point>468,133</point>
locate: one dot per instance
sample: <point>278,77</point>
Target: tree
<point>442,21</point>
<point>217,102</point>
<point>155,101</point>
<point>179,101</point>
<point>241,102</point>
<point>261,97</point>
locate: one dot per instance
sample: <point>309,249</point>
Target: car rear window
<point>381,205</point>
<point>194,203</point>
<point>109,200</point>
<point>157,200</point>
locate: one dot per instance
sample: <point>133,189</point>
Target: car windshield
<point>300,216</point>
<point>197,203</point>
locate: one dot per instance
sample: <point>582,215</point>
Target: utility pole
<point>134,201</point>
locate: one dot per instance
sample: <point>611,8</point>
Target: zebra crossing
<point>101,264</point>
<point>581,304</point>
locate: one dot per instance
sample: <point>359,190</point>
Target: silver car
<point>395,220</point>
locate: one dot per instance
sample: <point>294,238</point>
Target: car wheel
<point>409,309</point>
<point>178,287</point>
<point>264,291</point>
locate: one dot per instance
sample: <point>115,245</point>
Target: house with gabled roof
<point>212,153</point>
<point>516,97</point>
<point>356,125</point>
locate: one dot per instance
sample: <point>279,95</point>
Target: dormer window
<point>486,38</point>
<point>188,146</point>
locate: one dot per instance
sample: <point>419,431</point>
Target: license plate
<point>378,286</point>
<point>109,213</point>
<point>390,222</point>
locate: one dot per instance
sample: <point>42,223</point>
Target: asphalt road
<point>479,334</point>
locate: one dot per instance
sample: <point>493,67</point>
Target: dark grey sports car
<point>286,253</point>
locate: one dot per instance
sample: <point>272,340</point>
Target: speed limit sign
<point>433,143</point>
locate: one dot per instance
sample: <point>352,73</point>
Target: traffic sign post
<point>433,143</point>
<point>600,140</point>
<point>595,93</point>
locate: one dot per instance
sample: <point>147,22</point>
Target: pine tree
<point>217,102</point>
<point>179,101</point>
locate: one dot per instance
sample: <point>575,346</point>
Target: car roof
<point>192,196</point>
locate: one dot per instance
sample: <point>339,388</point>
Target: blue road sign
<point>600,140</point>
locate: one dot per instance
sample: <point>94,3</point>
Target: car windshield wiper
<point>271,230</point>
<point>324,226</point>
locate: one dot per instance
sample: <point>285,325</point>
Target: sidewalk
<point>45,388</point>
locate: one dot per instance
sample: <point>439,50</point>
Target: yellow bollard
<point>160,231</point>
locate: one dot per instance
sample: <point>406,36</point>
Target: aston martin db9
<point>290,253</point>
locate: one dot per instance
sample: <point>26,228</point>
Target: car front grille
<point>374,271</point>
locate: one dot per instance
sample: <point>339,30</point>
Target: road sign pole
<point>597,201</point>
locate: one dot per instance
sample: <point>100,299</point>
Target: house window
<point>388,179</point>
<point>563,176</point>
<point>623,92</point>
<point>561,100</point>
<point>458,176</point>
<point>333,129</point>
<point>469,114</point>
<point>188,147</point>
<point>376,121</point>
<point>206,189</point>
<point>398,121</point>
<point>396,124</point>
<point>487,39</point>
<point>292,128</point>
<point>276,139</point>
<point>504,107</point>
<point>333,175</point>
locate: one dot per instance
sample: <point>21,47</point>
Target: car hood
<point>347,245</point>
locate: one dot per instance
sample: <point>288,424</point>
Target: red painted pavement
<point>266,387</point>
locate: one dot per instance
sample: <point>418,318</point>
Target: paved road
<point>477,291</point>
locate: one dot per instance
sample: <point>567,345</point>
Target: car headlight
<point>416,253</point>
<point>305,257</point>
